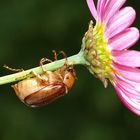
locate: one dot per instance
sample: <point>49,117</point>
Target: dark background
<point>29,30</point>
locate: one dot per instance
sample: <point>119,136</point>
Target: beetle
<point>43,89</point>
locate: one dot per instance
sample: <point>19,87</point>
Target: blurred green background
<point>29,30</point>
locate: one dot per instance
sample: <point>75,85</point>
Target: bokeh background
<point>29,30</point>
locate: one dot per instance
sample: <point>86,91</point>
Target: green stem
<point>73,60</point>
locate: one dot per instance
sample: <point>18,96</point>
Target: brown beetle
<point>43,89</point>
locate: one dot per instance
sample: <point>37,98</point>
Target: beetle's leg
<point>42,61</point>
<point>36,75</point>
<point>12,69</point>
<point>65,56</point>
<point>39,77</point>
<point>63,53</point>
<point>55,55</point>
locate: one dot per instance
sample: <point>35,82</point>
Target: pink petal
<point>92,8</point>
<point>130,103</point>
<point>131,93</point>
<point>111,8</point>
<point>100,9</point>
<point>120,21</point>
<point>131,89</point>
<point>124,40</point>
<point>129,73</point>
<point>127,57</point>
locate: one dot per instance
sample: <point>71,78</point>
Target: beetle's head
<point>69,77</point>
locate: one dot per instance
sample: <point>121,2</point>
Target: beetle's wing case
<point>45,95</point>
<point>28,86</point>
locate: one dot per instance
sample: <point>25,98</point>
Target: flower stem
<point>77,59</point>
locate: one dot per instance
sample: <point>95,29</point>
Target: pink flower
<point>111,38</point>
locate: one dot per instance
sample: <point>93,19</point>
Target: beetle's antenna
<point>12,69</point>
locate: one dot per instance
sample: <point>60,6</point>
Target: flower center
<point>96,52</point>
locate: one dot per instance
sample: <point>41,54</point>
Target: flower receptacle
<point>96,52</point>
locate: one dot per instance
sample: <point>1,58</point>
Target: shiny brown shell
<point>43,89</point>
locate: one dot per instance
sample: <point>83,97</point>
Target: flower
<point>106,47</point>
